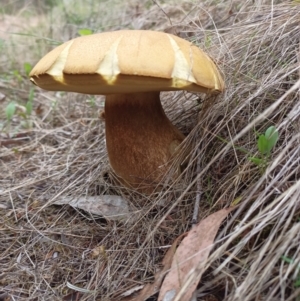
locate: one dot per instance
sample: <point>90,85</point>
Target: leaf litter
<point>256,45</point>
<point>190,257</point>
<point>180,262</point>
<point>111,207</point>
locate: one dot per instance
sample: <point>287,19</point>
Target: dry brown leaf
<point>112,207</point>
<point>193,250</point>
<point>152,288</point>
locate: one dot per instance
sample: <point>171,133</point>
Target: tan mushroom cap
<point>127,61</point>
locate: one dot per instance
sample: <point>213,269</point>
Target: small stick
<point>12,142</point>
<point>199,192</point>
<point>155,2</point>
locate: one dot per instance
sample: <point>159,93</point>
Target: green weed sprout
<point>297,280</point>
<point>265,144</point>
<point>27,68</point>
<point>23,111</point>
<point>10,111</point>
<point>85,32</point>
<point>25,114</point>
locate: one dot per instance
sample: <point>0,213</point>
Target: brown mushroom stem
<point>140,138</point>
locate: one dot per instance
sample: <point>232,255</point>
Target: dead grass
<point>44,246</point>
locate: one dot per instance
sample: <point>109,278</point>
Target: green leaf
<point>16,73</point>
<point>28,108</point>
<point>262,144</point>
<point>26,124</point>
<point>27,68</point>
<point>297,282</point>
<point>287,259</point>
<point>85,32</point>
<point>10,110</point>
<point>31,95</point>
<point>272,136</point>
<point>207,41</point>
<point>256,161</point>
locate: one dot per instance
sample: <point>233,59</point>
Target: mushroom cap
<point>127,61</point>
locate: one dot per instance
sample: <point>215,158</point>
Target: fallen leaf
<point>112,207</point>
<point>152,288</point>
<point>192,253</point>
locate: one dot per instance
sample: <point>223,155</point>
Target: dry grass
<point>44,246</point>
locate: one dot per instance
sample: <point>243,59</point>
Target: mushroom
<point>131,67</point>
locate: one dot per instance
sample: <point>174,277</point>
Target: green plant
<point>23,111</point>
<point>207,41</point>
<point>27,122</point>
<point>16,74</point>
<point>265,144</point>
<point>296,282</point>
<point>2,44</point>
<point>10,110</point>
<point>85,32</point>
<point>27,68</point>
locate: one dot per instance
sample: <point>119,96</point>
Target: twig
<point>199,192</point>
<point>154,1</point>
<point>13,142</point>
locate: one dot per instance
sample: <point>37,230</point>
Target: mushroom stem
<point>140,138</point>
